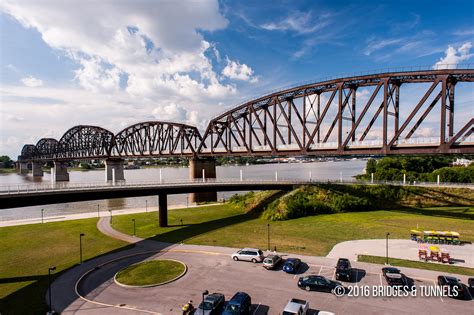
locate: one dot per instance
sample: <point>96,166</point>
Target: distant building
<point>462,162</point>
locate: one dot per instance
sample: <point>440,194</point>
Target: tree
<point>371,166</point>
<point>5,162</point>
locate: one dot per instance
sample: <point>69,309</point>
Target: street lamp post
<point>134,230</point>
<point>42,217</point>
<point>387,247</point>
<point>80,246</point>
<point>98,210</point>
<point>203,295</point>
<point>110,216</point>
<point>268,233</point>
<point>146,205</point>
<point>52,268</point>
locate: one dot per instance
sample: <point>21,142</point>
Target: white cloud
<point>454,56</point>
<point>237,71</point>
<point>374,45</point>
<point>31,81</point>
<point>95,77</point>
<point>299,22</point>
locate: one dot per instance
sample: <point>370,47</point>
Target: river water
<point>328,170</point>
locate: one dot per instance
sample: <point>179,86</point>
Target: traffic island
<point>150,273</point>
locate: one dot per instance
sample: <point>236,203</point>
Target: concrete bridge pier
<point>60,171</point>
<point>202,169</point>
<point>37,169</point>
<point>23,167</point>
<point>163,210</point>
<point>114,170</point>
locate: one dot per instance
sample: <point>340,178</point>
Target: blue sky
<point>113,63</point>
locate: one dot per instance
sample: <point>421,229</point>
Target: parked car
<point>390,270</point>
<point>212,304</point>
<point>343,269</point>
<point>271,261</point>
<point>470,284</point>
<point>317,283</point>
<point>292,265</point>
<point>240,303</point>
<point>455,285</point>
<point>249,254</point>
<point>296,307</point>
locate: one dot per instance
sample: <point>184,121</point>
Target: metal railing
<point>58,187</point>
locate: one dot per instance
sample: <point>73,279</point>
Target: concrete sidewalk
<point>403,249</point>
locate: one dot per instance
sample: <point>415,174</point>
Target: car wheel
<point>307,288</point>
<point>254,260</point>
<point>236,258</point>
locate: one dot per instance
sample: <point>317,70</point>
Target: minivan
<point>249,254</point>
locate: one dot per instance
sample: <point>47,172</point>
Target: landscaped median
<point>417,264</point>
<point>150,273</point>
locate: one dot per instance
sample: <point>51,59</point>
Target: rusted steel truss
<point>347,116</point>
<point>147,139</point>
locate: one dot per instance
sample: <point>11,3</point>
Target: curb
<point>151,285</point>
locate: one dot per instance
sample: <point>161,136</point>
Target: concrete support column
<point>163,210</point>
<point>114,168</point>
<point>60,172</point>
<point>203,169</point>
<point>37,169</point>
<point>23,167</point>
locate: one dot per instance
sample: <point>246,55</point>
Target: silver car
<point>249,254</point>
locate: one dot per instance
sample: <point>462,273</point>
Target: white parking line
<point>257,308</point>
<point>320,269</point>
<point>380,276</point>
<point>435,284</point>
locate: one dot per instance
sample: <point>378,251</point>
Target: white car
<point>249,254</point>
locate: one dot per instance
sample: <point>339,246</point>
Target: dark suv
<point>239,304</point>
<point>212,304</point>
<point>343,269</point>
<point>455,285</point>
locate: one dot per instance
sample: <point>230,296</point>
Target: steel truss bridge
<point>357,115</point>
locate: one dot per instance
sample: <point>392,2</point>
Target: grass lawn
<point>417,264</point>
<point>228,225</point>
<point>150,272</point>
<point>28,250</point>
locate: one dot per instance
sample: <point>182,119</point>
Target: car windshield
<point>268,260</point>
<point>205,306</point>
<point>260,252</point>
<point>232,308</point>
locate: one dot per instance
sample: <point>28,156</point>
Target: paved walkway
<point>403,249</point>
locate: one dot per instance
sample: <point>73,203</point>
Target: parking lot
<point>270,289</point>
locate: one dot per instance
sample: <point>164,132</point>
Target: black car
<point>455,285</point>
<point>343,269</point>
<point>386,270</point>
<point>240,303</point>
<point>317,283</point>
<point>212,304</point>
<point>470,284</point>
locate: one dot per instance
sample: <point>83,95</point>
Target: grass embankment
<point>232,226</point>
<point>152,272</point>
<point>417,264</point>
<point>7,170</point>
<point>27,251</point>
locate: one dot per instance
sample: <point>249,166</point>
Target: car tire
<point>236,258</point>
<point>307,288</point>
<point>254,260</point>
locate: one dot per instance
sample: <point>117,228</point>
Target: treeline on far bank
<point>419,168</point>
<point>333,198</point>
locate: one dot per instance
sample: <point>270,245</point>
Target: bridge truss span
<point>355,115</point>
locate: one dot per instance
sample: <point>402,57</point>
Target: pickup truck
<point>296,307</point>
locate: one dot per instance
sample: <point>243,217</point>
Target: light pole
<point>203,295</point>
<point>387,246</point>
<point>146,205</point>
<point>110,216</point>
<point>98,209</point>
<point>52,268</point>
<point>80,246</point>
<point>268,230</point>
<point>42,220</point>
<point>134,230</point>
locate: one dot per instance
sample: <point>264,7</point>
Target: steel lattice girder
<point>156,138</point>
<point>46,149</point>
<point>276,125</point>
<point>85,142</point>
